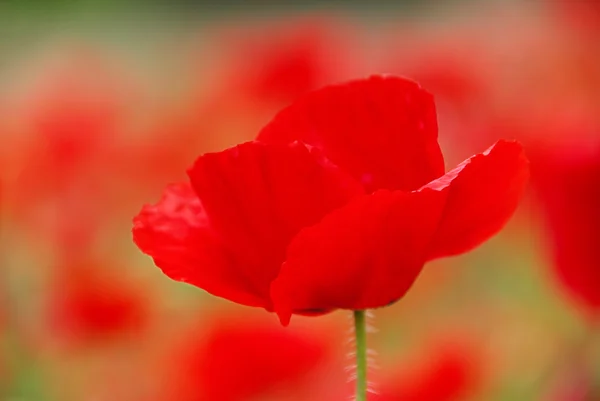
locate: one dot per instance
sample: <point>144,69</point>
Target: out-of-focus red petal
<point>87,302</point>
<point>581,16</point>
<point>282,60</point>
<point>566,178</point>
<point>382,130</point>
<point>76,109</point>
<point>175,232</point>
<point>241,359</point>
<point>483,193</point>
<point>365,255</point>
<point>444,371</point>
<point>229,234</point>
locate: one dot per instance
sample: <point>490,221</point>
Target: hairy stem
<point>360,330</point>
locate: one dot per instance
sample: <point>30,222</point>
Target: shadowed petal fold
<point>257,197</point>
<point>382,130</point>
<point>365,255</point>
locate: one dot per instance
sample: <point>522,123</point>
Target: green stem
<point>360,329</point>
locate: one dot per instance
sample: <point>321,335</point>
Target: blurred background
<point>104,103</point>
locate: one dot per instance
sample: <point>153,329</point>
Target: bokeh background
<point>104,103</point>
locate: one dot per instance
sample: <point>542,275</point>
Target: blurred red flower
<point>566,177</point>
<point>88,302</point>
<point>581,15</point>
<point>69,126</point>
<point>282,62</point>
<point>73,114</point>
<point>447,371</point>
<point>240,358</point>
<point>337,205</point>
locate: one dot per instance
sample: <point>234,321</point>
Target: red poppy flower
<point>337,205</point>
<point>567,180</point>
<point>241,358</point>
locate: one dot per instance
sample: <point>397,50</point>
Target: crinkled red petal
<point>483,193</point>
<point>257,197</point>
<point>176,233</point>
<point>382,130</point>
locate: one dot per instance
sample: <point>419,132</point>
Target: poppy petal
<point>258,197</point>
<point>483,193</point>
<point>381,130</point>
<point>364,255</point>
<point>566,178</point>
<point>176,234</point>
